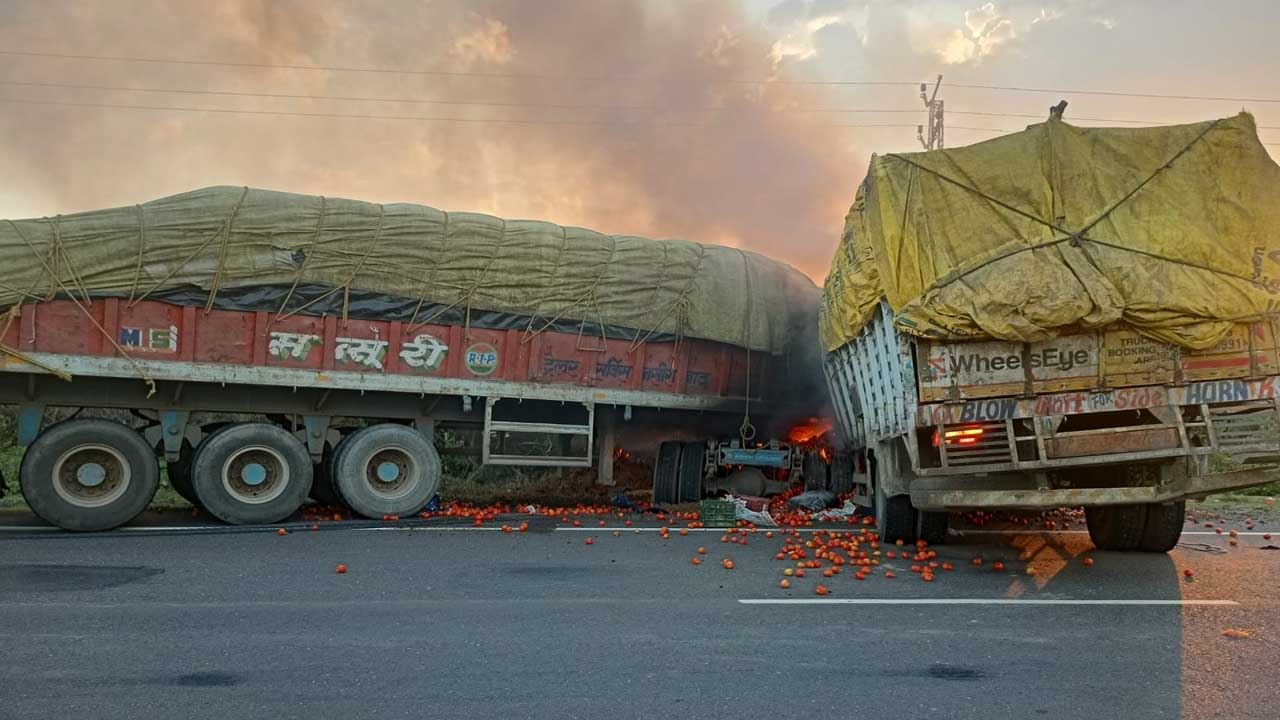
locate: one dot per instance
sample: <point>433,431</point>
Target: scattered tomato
<point>341,569</point>
<point>282,531</point>
<point>821,590</point>
<point>696,560</point>
<point>590,541</point>
<point>1087,562</point>
<point>784,584</point>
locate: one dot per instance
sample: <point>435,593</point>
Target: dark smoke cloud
<point>752,174</point>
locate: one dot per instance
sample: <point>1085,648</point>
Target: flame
<point>809,431</point>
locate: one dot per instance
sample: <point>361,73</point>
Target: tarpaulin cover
<point>1173,231</point>
<point>223,239</point>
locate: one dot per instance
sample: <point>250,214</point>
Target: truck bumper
<point>956,493</point>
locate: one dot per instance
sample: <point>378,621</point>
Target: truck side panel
<point>953,371</point>
<point>155,331</point>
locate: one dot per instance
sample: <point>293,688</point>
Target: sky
<point>719,121</point>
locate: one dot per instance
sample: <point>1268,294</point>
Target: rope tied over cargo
<point>1075,237</point>
<point>225,232</point>
<point>344,286</point>
<point>589,295</point>
<point>746,430</point>
<point>302,266</point>
<point>142,372</point>
<point>529,333</point>
<point>429,279</point>
<point>679,306</point>
<point>142,246</point>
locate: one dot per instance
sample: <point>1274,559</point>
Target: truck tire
<point>895,517</point>
<point>386,469</point>
<point>665,473</point>
<point>1164,526</point>
<point>179,473</point>
<point>1116,527</point>
<point>815,471</point>
<point>89,474</point>
<point>932,526</point>
<point>692,459</point>
<point>251,473</point>
<point>323,489</point>
<point>842,473</point>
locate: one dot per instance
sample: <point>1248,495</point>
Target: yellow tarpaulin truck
<point>1061,316</point>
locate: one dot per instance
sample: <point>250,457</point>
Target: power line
<point>556,106</point>
<point>543,76</point>
<point>1115,93</point>
<point>419,118</point>
<point>365,69</point>
<point>406,100</point>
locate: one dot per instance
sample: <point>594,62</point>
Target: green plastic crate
<point>717,513</point>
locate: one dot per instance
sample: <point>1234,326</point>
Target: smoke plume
<point>629,117</point>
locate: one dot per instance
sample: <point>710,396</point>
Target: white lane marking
<point>450,528</point>
<point>970,601</point>
<point>1031,531</point>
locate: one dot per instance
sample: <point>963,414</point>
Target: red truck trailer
<point>260,395</point>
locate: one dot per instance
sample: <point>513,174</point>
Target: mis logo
<point>151,340</point>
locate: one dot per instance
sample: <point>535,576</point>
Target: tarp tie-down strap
<point>302,266</point>
<point>225,231</point>
<point>346,285</point>
<point>679,305</point>
<point>142,372</point>
<point>1075,237</point>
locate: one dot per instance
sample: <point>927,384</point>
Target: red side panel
<point>159,331</point>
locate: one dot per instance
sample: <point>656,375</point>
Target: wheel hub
<point>91,475</point>
<point>255,474</point>
<point>390,472</point>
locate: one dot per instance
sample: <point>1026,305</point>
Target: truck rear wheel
<point>179,473</point>
<point>895,517</point>
<point>666,473</point>
<point>842,473</point>
<point>323,488</point>
<point>89,474</point>
<point>1164,526</point>
<point>386,469</point>
<point>251,473</point>
<point>1116,527</point>
<point>692,459</point>
<point>815,471</point>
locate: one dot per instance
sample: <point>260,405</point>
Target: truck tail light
<point>960,436</point>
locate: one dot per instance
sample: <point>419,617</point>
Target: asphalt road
<point>454,623</point>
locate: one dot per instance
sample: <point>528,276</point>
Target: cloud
<point>489,40</point>
<point>626,118</point>
<point>985,31</point>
